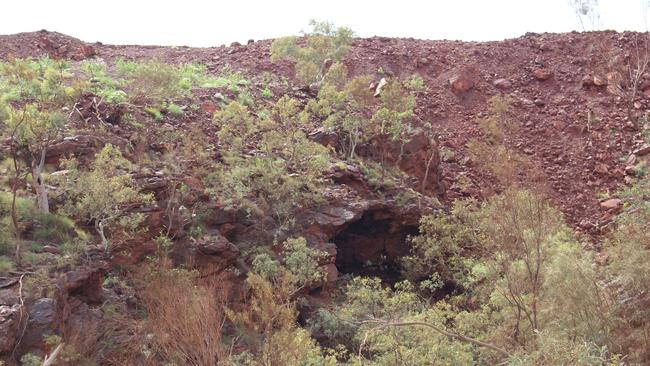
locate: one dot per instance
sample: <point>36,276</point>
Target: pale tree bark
<point>99,227</point>
<point>14,189</point>
<point>42,201</point>
<point>51,358</point>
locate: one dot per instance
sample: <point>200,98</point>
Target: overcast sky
<point>211,23</point>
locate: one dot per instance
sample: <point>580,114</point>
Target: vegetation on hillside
<point>502,281</point>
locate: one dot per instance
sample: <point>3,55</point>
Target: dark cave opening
<point>373,246</point>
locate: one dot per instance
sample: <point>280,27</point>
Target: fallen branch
<point>9,283</point>
<point>49,359</point>
<point>22,314</point>
<point>385,323</point>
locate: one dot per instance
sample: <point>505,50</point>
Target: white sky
<point>211,23</point>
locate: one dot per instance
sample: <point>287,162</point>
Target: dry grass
<point>184,319</point>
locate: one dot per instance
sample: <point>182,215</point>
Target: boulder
<point>324,137</point>
<point>9,319</point>
<point>542,74</point>
<point>81,145</point>
<point>85,283</point>
<point>41,323</point>
<point>211,253</point>
<point>502,83</point>
<point>611,203</point>
<point>601,168</point>
<point>643,150</point>
<point>599,81</point>
<point>463,80</point>
<point>416,153</point>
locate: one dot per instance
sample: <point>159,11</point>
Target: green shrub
<point>416,83</point>
<point>154,113</point>
<point>6,264</point>
<point>267,93</point>
<point>173,108</point>
<point>56,229</point>
<point>446,249</point>
<point>35,96</point>
<point>303,261</point>
<point>155,81</point>
<point>30,359</point>
<point>225,78</point>
<point>109,89</point>
<point>102,194</point>
<point>629,271</point>
<point>267,326</point>
<point>324,42</point>
<point>284,175</point>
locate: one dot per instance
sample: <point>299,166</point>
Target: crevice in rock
<point>373,245</point>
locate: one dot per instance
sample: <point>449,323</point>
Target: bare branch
<point>385,323</point>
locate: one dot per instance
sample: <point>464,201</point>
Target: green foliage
<point>299,266</point>
<point>267,93</point>
<point>496,157</point>
<point>538,276</point>
<point>416,83</point>
<point>41,90</point>
<point>271,168</point>
<point>499,105</point>
<point>151,80</point>
<point>173,108</point>
<point>6,264</point>
<point>55,229</point>
<point>553,349</point>
<point>267,325</point>
<point>155,81</point>
<point>353,324</point>
<point>226,78</point>
<point>39,83</point>
<point>303,261</point>
<point>237,127</point>
<point>102,194</point>
<point>379,176</point>
<point>154,113</point>
<point>349,108</point>
<point>43,81</point>
<point>49,229</point>
<point>520,231</point>
<point>324,42</point>
<point>446,249</point>
<point>629,271</point>
<point>30,359</point>
<point>344,106</point>
<point>524,285</point>
<point>102,84</point>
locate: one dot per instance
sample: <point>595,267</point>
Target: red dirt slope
<point>576,133</point>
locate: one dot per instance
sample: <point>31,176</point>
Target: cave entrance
<point>373,245</point>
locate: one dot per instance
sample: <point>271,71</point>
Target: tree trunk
<point>14,216</point>
<point>99,227</point>
<point>14,189</point>
<point>41,189</point>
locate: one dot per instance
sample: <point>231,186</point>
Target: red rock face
<point>9,319</point>
<point>553,72</point>
<point>212,253</point>
<point>570,119</point>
